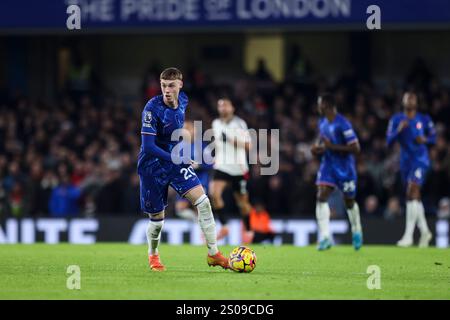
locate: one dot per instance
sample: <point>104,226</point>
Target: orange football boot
<point>218,260</point>
<point>155,263</point>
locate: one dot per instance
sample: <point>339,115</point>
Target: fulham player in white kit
<point>232,142</point>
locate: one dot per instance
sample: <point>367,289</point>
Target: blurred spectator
<point>4,203</point>
<point>64,199</point>
<point>419,75</point>
<point>393,209</point>
<point>366,183</point>
<point>13,192</point>
<point>130,199</point>
<point>16,198</point>
<point>81,79</point>
<point>260,223</point>
<point>298,67</point>
<point>110,195</point>
<point>35,194</point>
<point>150,83</point>
<point>262,73</point>
<point>277,196</point>
<point>372,207</point>
<point>304,191</point>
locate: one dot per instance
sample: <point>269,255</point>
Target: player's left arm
<point>351,141</point>
<point>430,131</point>
<point>392,131</point>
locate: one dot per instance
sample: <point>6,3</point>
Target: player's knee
<point>414,196</point>
<point>203,204</point>
<point>322,196</point>
<point>157,216</point>
<point>413,192</point>
<point>204,209</point>
<point>217,200</point>
<point>349,203</point>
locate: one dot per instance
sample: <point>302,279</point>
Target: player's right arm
<point>430,131</point>
<point>318,148</point>
<point>394,129</point>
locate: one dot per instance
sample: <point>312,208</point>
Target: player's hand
<point>189,163</point>
<point>195,164</point>
<point>317,149</point>
<point>402,125</point>
<point>327,143</point>
<point>421,140</point>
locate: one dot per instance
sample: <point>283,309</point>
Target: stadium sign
<point>127,229</point>
<point>127,15</point>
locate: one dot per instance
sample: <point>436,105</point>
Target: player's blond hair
<point>171,74</point>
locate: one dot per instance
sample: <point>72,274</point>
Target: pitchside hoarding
<point>129,14</point>
<point>127,229</point>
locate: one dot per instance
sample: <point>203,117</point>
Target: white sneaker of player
<point>425,239</point>
<point>405,242</point>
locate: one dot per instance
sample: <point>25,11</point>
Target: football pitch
<point>120,271</point>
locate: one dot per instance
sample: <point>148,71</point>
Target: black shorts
<point>238,183</point>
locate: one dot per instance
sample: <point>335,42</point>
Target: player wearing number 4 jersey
<point>159,167</point>
<point>337,144</point>
<point>413,131</point>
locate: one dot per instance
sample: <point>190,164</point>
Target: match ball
<point>242,259</point>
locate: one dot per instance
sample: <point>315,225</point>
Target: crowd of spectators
<point>78,157</point>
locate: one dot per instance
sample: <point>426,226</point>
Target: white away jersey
<point>230,158</point>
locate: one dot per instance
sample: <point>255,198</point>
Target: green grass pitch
<point>120,271</point>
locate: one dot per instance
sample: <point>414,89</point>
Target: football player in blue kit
<point>413,131</point>
<point>159,167</point>
<point>337,145</point>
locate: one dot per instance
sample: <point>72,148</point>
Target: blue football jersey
<point>411,151</point>
<point>161,120</point>
<point>429,129</point>
<point>339,131</point>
